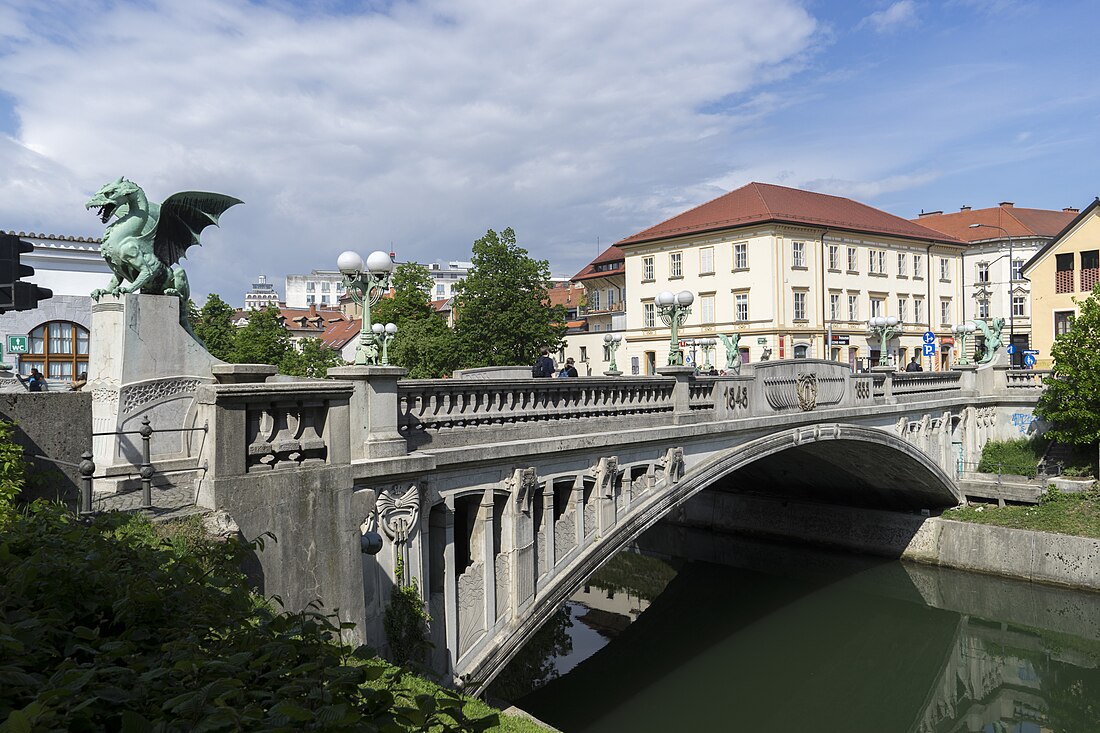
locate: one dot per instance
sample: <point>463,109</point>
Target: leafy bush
<point>13,468</point>
<point>116,624</point>
<point>1018,457</point>
<point>406,622</point>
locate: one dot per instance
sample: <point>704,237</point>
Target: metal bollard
<point>146,471</point>
<point>86,468</point>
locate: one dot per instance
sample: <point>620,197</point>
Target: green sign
<point>17,345</point>
<point>761,340</point>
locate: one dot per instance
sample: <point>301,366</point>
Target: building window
<point>311,286</point>
<point>647,268</point>
<point>918,267</point>
<point>903,309</point>
<point>741,306</point>
<point>311,299</point>
<point>676,264</point>
<point>1063,322</point>
<point>902,260</point>
<point>611,299</point>
<point>324,300</point>
<point>853,261</point>
<point>945,269</point>
<point>595,304</point>
<point>1063,275</point>
<point>799,305</point>
<point>1019,305</point>
<point>877,307</point>
<point>798,254</point>
<point>440,289</point>
<point>834,306</point>
<point>876,261</point>
<point>584,353</point>
<point>983,272</point>
<point>706,308</point>
<point>741,256</point>
<point>649,315</point>
<point>918,310</point>
<point>1090,269</point>
<point>983,309</point>
<point>706,261</point>
<point>1017,269</point>
<point>834,257</point>
<point>59,349</point>
<point>853,307</point>
<point>945,312</point>
<point>325,287</point>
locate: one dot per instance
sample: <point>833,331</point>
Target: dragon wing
<point>183,216</point>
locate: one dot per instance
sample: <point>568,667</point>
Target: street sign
<point>683,344</point>
<point>17,345</point>
<point>929,349</point>
<point>1011,349</point>
<point>761,340</point>
<point>1029,359</point>
<point>839,340</point>
<point>1034,352</point>
<point>929,337</point>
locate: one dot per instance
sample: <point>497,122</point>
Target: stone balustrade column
<point>888,384</point>
<point>485,516</point>
<point>374,411</point>
<point>681,394</point>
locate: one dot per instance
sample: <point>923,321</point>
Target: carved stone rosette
<point>398,516</point>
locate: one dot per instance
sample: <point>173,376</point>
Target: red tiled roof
<point>1017,222</point>
<point>757,203</point>
<point>340,333</point>
<point>610,255</point>
<point>565,294</point>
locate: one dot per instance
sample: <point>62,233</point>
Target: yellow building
<point>1067,267</point>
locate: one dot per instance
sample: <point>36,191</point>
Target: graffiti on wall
<point>1022,421</point>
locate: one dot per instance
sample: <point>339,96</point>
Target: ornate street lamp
<point>366,288</point>
<point>708,348</point>
<point>674,310</point>
<point>383,337</point>
<point>962,330</point>
<point>885,328</point>
<point>1011,274</point>
<point>613,342</point>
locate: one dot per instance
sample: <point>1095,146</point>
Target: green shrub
<point>406,622</point>
<point>1018,457</point>
<point>13,467</point>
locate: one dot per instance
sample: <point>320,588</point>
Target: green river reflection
<point>779,639</point>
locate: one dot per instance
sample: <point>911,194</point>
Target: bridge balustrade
<point>921,382</point>
<point>1027,378</point>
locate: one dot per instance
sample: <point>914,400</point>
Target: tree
<point>313,360</point>
<point>1071,400</point>
<point>423,345</point>
<point>213,324</point>
<point>504,312</point>
<point>412,288</point>
<point>264,340</point>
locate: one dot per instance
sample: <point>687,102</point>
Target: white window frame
<point>983,274</point>
<point>1021,301</point>
<point>834,306</point>
<point>741,307</point>
<point>918,267</point>
<point>878,307</point>
<point>918,310</point>
<point>834,257</point>
<point>945,311</point>
<point>649,315</point>
<point>799,309</point>
<point>647,268</point>
<point>853,306</point>
<point>945,269</point>
<point>902,260</point>
<point>675,264</point>
<point>798,254</point>
<point>706,261</point>
<point>706,307</point>
<point>983,309</point>
<point>853,259</point>
<point>1017,270</point>
<point>741,256</point>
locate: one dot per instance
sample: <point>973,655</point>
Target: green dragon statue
<point>993,341</point>
<point>147,239</point>
<point>733,356</point>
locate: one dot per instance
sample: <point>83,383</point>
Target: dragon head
<point>112,196</point>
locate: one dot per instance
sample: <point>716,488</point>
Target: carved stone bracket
<point>672,465</point>
<point>606,471</point>
<point>398,512</point>
<point>522,485</point>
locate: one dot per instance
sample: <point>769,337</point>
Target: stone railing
<point>1027,378</point>
<point>701,393</point>
<point>429,409</point>
<point>919,382</point>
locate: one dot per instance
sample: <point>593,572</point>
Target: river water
<point>774,638</point>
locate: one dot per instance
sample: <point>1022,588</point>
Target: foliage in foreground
<point>1061,513</point>
<point>1018,457</point>
<point>1071,401</point>
<point>111,624</point>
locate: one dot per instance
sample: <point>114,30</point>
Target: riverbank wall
<point>1040,557</point>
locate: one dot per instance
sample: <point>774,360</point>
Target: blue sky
<point>419,125</point>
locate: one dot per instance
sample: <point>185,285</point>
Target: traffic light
<point>16,295</point>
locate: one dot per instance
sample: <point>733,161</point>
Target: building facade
<point>602,313</point>
<point>322,288</point>
<point>1066,268</point>
<point>58,331</point>
<point>1000,240</point>
<point>795,274</point>
<point>261,295</point>
<point>445,276</point>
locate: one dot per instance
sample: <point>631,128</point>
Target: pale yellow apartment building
<point>1067,268</point>
<point>795,273</point>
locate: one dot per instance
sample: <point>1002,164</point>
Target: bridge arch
<point>895,473</point>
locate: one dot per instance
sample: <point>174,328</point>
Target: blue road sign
<point>929,337</point>
<point>929,349</point>
<point>1029,359</point>
<point>1031,351</point>
<point>1011,349</point>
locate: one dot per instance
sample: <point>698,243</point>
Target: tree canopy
<point>424,344</point>
<point>213,324</point>
<point>504,312</point>
<point>263,340</point>
<point>1071,400</point>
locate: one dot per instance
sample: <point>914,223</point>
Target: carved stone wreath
<point>807,391</point>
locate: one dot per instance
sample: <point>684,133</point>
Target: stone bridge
<point>499,496</point>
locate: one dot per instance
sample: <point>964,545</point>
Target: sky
<point>417,126</point>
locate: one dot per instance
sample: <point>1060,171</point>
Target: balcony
<point>589,311</point>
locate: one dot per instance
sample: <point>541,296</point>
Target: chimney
<point>1071,210</point>
<point>930,213</point>
<point>964,208</point>
<point>312,310</point>
<point>1006,204</point>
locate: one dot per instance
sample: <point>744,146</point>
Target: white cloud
<point>902,14</point>
<point>421,127</point>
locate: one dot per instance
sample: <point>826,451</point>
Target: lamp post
<point>885,328</point>
<point>613,342</point>
<point>962,330</point>
<point>1011,279</point>
<point>708,349</point>
<point>383,336</point>
<point>674,310</point>
<point>366,286</point>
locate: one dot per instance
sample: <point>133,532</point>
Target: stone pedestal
<point>681,393</point>
<point>374,432</point>
<point>612,374</point>
<point>142,363</point>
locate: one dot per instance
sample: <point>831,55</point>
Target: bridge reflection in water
<point>796,640</point>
